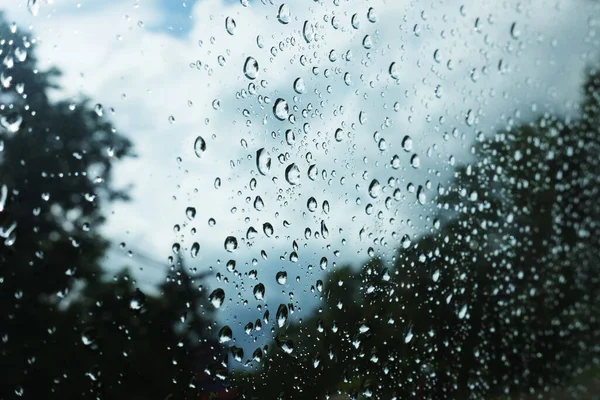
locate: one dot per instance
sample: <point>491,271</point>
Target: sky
<point>173,71</point>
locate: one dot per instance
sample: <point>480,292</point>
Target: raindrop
<point>311,204</point>
<point>394,71</point>
<point>292,174</point>
<point>462,312</point>
<point>362,117</point>
<point>323,263</point>
<point>299,86</point>
<point>217,297</point>
<point>199,146</point>
<point>313,172</point>
<point>190,213</point>
<point>421,195</point>
<point>405,242</point>
<point>281,277</point>
<point>99,110</point>
<point>259,291</point>
<point>88,336</point>
<point>231,244</point>
<point>251,68</point>
<point>259,205</point>
<point>11,122</point>
<point>372,15</point>
<point>514,31</point>
<point>308,31</point>
<point>263,161</point>
<point>367,42</point>
<point>374,188</point>
<point>268,229</point>
<point>33,6</point>
<point>137,300</point>
<point>415,162</point>
<point>407,143</point>
<point>355,21</point>
<point>225,334</point>
<point>281,109</point>
<point>195,249</point>
<point>436,275</point>
<point>282,315</point>
<point>283,15</point>
<point>409,336</point>
<point>230,25</point>
<point>395,162</point>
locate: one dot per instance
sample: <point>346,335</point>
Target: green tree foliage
<point>498,299</point>
<point>66,332</point>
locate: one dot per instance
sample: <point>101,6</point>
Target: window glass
<point>329,199</point>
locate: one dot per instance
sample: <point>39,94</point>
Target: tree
<point>65,331</point>
<point>498,299</point>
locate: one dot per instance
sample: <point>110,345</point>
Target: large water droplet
<point>231,244</point>
<point>263,161</point>
<point>268,229</point>
<point>11,122</point>
<point>281,277</point>
<point>88,336</point>
<point>199,146</point>
<point>190,213</point>
<point>217,297</point>
<point>33,6</point>
<point>137,300</point>
<point>251,68</point>
<point>311,204</point>
<point>299,86</point>
<point>394,71</point>
<point>225,334</point>
<point>230,25</point>
<point>374,188</point>
<point>195,249</point>
<point>259,291</point>
<point>282,315</point>
<point>292,174</point>
<point>281,109</point>
<point>283,15</point>
<point>407,143</point>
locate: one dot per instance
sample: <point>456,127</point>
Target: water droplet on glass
<point>33,6</point>
<point>409,336</point>
<point>11,122</point>
<point>407,143</point>
<point>225,334</point>
<point>88,336</point>
<point>281,109</point>
<point>311,204</point>
<point>282,315</point>
<point>230,25</point>
<point>98,109</point>
<point>415,162</point>
<point>251,68</point>
<point>308,31</point>
<point>283,15</point>
<point>367,42</point>
<point>374,188</point>
<point>292,174</point>
<point>217,297</point>
<point>299,86</point>
<point>281,277</point>
<point>395,162</point>
<point>263,161</point>
<point>372,15</point>
<point>462,312</point>
<point>405,242</point>
<point>313,172</point>
<point>421,195</point>
<point>195,249</point>
<point>436,275</point>
<point>323,263</point>
<point>394,71</point>
<point>231,244</point>
<point>355,21</point>
<point>137,300</point>
<point>199,146</point>
<point>190,213</point>
<point>259,291</point>
<point>514,31</point>
<point>268,229</point>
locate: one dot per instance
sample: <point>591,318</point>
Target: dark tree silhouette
<point>497,300</point>
<point>65,330</point>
